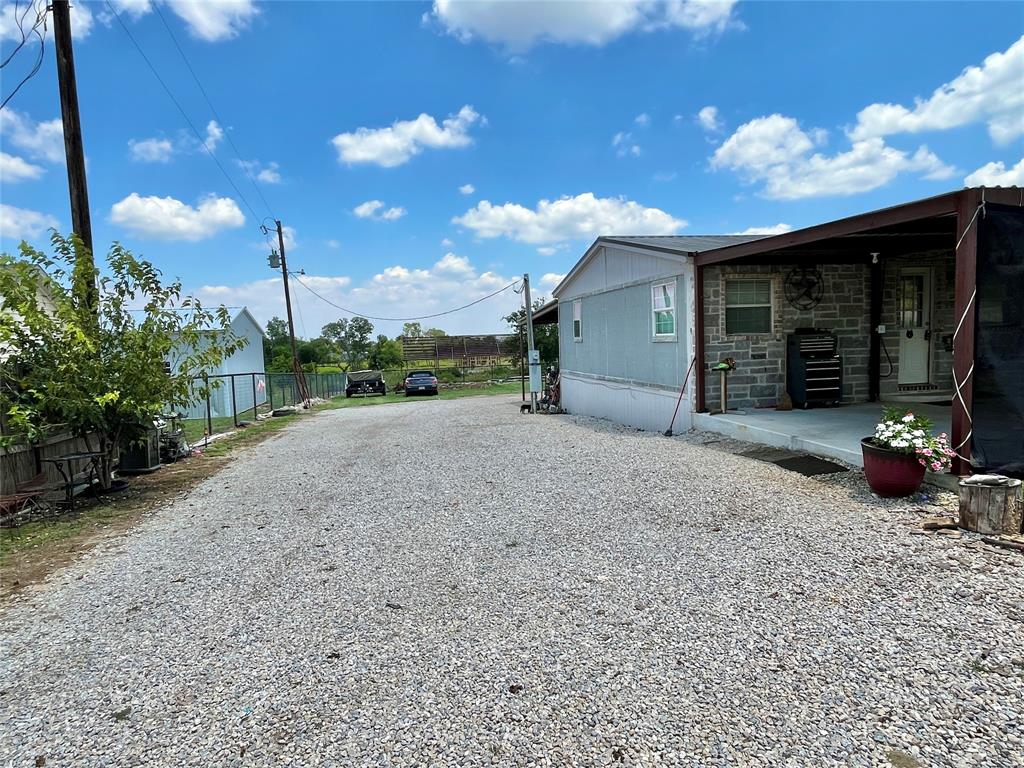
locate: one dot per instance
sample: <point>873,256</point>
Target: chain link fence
<point>225,401</point>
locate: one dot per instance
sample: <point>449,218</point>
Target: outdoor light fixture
<point>874,257</point>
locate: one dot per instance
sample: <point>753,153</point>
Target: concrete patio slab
<point>830,432</point>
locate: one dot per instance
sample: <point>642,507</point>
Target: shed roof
<point>688,244</point>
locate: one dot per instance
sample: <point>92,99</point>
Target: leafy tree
<point>434,332</point>
<point>385,354</point>
<point>101,374</point>
<point>545,337</point>
<point>277,331</point>
<point>415,330</point>
<point>351,337</point>
<point>276,343</point>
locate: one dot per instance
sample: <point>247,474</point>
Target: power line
<point>402,319</point>
<point>202,90</point>
<point>20,22</point>
<point>167,90</point>
<point>40,17</point>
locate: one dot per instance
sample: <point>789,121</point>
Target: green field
<point>444,394</point>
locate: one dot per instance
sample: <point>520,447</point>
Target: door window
<point>912,301</point>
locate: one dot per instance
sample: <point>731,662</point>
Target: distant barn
<point>462,351</point>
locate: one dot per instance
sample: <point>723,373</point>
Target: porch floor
<point>831,432</point>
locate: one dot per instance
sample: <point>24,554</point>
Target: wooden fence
<point>20,463</point>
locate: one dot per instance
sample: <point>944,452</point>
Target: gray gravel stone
<point>450,583</point>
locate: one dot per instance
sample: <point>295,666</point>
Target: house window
<point>663,309</point>
<point>577,320</point>
<point>748,306</point>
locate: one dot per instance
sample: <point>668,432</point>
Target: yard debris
<point>938,523</point>
<point>393,606</point>
<point>1006,541</point>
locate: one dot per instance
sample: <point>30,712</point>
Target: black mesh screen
<point>998,410</point>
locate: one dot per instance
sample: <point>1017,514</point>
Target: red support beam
<point>963,340</point>
<point>698,336</point>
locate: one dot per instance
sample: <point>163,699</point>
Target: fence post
<point>255,410</point>
<point>209,419</point>
<point>234,402</point>
<point>270,393</point>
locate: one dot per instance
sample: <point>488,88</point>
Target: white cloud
<point>775,151</point>
<point>550,279</point>
<point>14,169</point>
<point>519,25</point>
<point>136,9</point>
<point>164,218</point>
<point>214,135</point>
<point>81,21</point>
<point>22,224</point>
<point>451,264</point>
<point>151,150</point>
<point>268,173</point>
<point>665,176</point>
<point>398,143</point>
<point>467,189</point>
<point>376,210</point>
<point>643,119</point>
<point>997,175</point>
<point>709,119</point>
<point>446,243</point>
<point>581,217</point>
<point>775,229</point>
<point>992,92</point>
<point>333,244</point>
<point>213,20</point>
<point>624,145</point>
<point>396,291</point>
<point>41,141</point>
<point>547,250</point>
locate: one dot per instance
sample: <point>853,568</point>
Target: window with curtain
<point>748,306</point>
<point>663,308</point>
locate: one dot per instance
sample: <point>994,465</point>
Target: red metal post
<point>963,341</point>
<point>698,336</point>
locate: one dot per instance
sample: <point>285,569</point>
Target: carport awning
<point>547,314</point>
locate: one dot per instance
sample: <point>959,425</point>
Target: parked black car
<point>365,383</point>
<point>420,383</point>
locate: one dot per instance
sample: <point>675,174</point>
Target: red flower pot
<point>890,473</point>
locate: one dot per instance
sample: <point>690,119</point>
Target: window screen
<point>663,306</point>
<point>748,306</point>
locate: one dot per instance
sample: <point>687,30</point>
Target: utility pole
<point>81,224</point>
<point>300,379</point>
<point>531,353</point>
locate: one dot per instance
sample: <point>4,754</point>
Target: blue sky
<point>363,121</point>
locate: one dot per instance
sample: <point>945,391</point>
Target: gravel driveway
<point>539,591</point>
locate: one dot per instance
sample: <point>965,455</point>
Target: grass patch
<point>195,429</point>
<point>48,532</point>
<point>444,394</point>
<point>249,435</point>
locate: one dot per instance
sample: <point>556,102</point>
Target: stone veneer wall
<point>760,376</point>
<point>943,317</point>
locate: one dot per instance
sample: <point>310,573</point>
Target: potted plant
<point>902,448</point>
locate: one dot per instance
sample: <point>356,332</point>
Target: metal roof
<point>682,243</point>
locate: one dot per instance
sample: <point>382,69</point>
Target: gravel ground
<point>533,591</point>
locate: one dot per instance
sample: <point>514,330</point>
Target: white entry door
<point>915,323</point>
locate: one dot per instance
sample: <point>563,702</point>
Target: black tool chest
<point>814,369</point>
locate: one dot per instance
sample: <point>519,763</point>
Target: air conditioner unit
<point>142,457</point>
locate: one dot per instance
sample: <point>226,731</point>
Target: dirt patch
<point>36,550</point>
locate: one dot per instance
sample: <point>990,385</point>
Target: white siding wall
<point>619,371</point>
